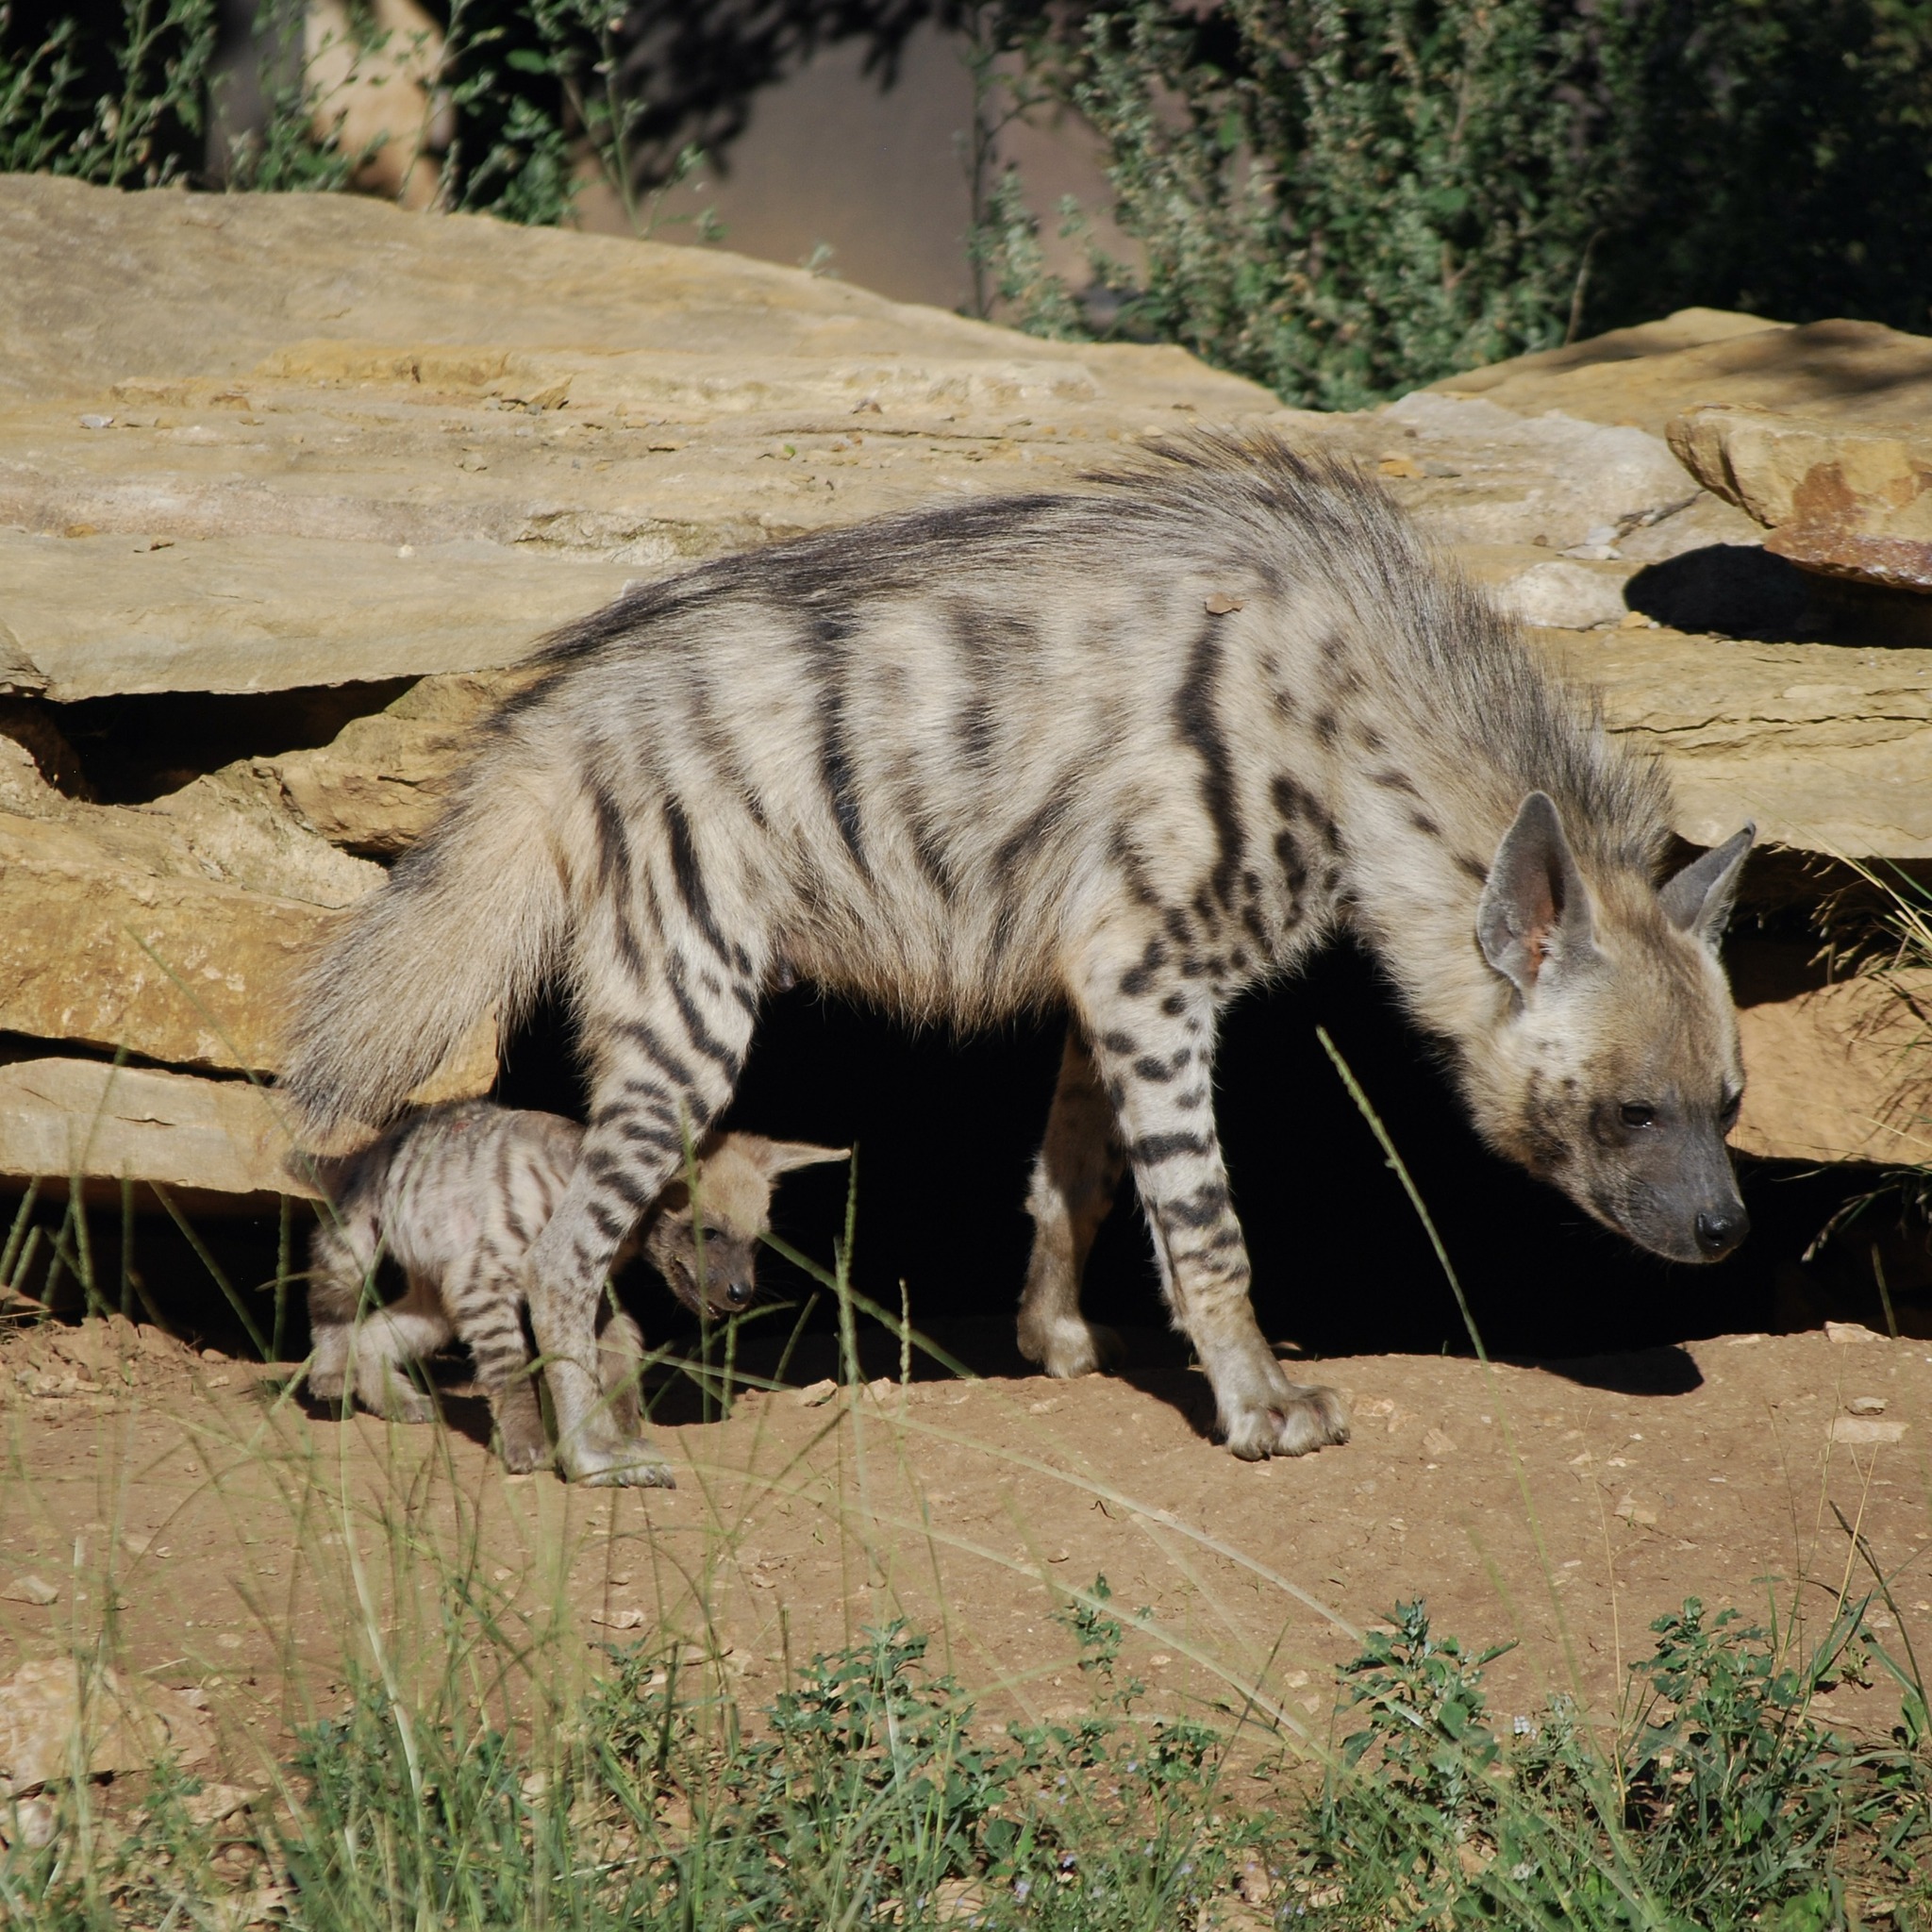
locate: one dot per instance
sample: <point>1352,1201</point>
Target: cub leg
<point>1076,1176</point>
<point>487,1305</point>
<point>341,1264</point>
<point>386,1339</point>
<point>1151,1031</point>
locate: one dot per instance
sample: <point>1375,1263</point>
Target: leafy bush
<point>1342,198</point>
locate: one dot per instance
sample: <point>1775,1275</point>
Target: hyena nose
<point>739,1293</point>
<point>1719,1233</point>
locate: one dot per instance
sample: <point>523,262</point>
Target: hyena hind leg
<point>336,1271</point>
<point>1076,1176</point>
<point>667,1053</point>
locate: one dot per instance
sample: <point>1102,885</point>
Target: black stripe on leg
<point>660,1056</point>
<point>612,1174</point>
<point>613,841</point>
<point>1200,728</point>
<point>1150,1150</point>
<point>690,880</point>
<point>695,1030</point>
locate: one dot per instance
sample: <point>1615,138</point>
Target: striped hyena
<point>1128,752</point>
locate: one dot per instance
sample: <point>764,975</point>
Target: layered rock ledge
<point>287,483</point>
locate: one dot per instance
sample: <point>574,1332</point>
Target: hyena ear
<point>781,1157</point>
<point>1534,916</point>
<point>1698,899</point>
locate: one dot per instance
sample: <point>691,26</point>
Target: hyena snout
<point>1721,1228</point>
<point>1684,1223</point>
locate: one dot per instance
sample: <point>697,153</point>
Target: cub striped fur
<point>455,1195</point>
<point>1126,753</point>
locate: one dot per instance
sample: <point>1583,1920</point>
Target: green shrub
<point>1344,198</point>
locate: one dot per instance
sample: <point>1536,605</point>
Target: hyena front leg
<point>666,1053</point>
<point>1153,1036</point>
<point>1076,1176</point>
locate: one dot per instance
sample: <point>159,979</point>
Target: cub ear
<point>1698,899</point>
<point>781,1157</point>
<point>1534,915</point>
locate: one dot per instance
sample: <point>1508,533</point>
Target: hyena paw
<point>1066,1347</point>
<point>635,1464</point>
<point>405,1405</point>
<point>327,1385</point>
<point>1289,1420</point>
<point>522,1451</point>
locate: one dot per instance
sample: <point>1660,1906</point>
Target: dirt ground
<point>201,1523</point>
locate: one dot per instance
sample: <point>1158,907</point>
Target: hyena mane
<point>1127,750</point>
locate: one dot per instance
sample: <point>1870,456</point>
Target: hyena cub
<point>455,1195</point>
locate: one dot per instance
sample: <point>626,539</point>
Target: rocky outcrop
<point>1849,501</point>
<point>323,471</point>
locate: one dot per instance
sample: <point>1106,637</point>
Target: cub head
<point>704,1239</point>
<point>1613,1071</point>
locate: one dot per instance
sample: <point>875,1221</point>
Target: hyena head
<point>705,1242</point>
<point>1613,1071</point>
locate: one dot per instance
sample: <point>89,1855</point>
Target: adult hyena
<point>1129,752</point>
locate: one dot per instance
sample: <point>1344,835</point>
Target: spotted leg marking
<point>1076,1176</point>
<point>1153,1042</point>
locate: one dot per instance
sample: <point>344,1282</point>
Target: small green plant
<point>1713,1801</point>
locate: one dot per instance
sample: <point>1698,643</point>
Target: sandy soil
<point>202,1524</point>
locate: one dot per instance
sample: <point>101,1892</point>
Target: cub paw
<point>1067,1346</point>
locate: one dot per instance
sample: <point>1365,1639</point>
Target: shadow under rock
<point>1741,590</point>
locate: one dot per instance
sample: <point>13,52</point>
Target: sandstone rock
<point>172,967</point>
<point>59,1118</point>
<point>1828,749</point>
<point>373,82</point>
<point>1854,371</point>
<point>1840,1074</point>
<point>1841,501</point>
<point>97,614</point>
<point>377,786</point>
<point>1488,475</point>
<point>488,410</point>
<point>56,1721</point>
<point>1556,592</point>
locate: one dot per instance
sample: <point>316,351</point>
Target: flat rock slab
<point>1851,501</point>
<point>1838,1074</point>
<point>99,615</point>
<point>65,1118</point>
<point>1859,372</point>
<point>1828,749</point>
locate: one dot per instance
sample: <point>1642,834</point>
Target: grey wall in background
<point>874,174</point>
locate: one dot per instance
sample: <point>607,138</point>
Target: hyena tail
<point>469,918</point>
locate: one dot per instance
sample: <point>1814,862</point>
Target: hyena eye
<point>1727,1113</point>
<point>1636,1114</point>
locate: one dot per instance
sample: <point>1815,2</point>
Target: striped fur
<point>1127,753</point>
<point>455,1195</point>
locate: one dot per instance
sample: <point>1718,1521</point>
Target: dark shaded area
<point>946,1131</point>
<point>1740,590</point>
<point>136,749</point>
